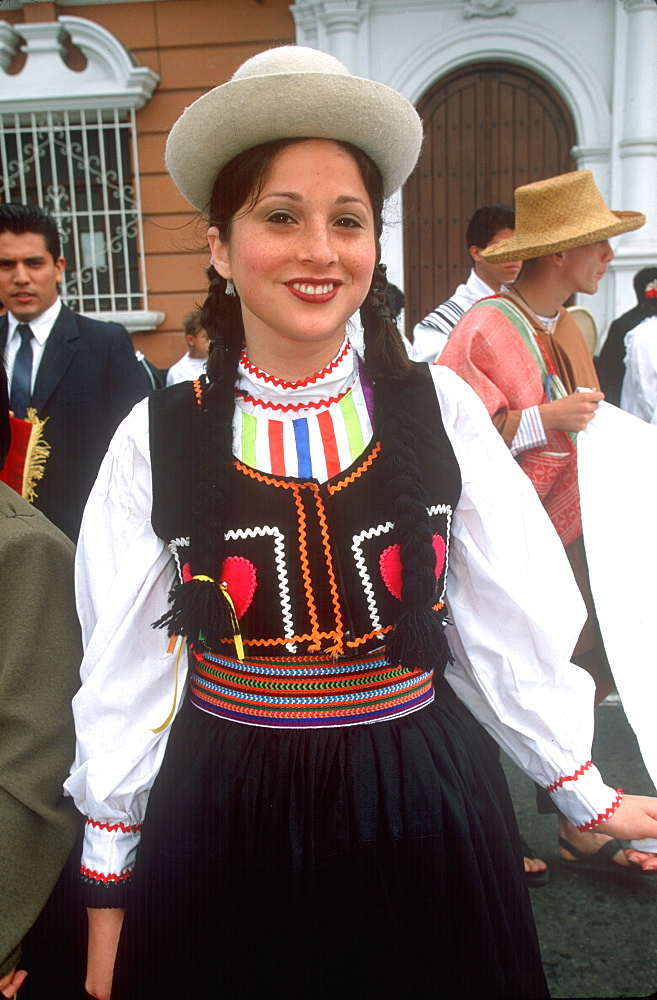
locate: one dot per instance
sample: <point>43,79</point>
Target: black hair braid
<point>418,638</point>
<point>221,318</point>
<point>199,608</point>
<point>385,354</point>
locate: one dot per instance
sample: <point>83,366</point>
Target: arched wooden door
<point>488,129</point>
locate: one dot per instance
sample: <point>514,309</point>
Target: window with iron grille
<point>75,154</point>
<point>80,167</point>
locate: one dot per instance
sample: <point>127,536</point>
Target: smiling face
<point>583,267</point>
<point>28,275</point>
<point>301,258</point>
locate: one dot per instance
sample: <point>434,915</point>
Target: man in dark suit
<point>610,363</point>
<point>80,374</point>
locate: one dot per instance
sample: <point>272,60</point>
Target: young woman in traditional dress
<point>304,802</point>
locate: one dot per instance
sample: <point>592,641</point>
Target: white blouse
<point>639,391</point>
<point>514,604</point>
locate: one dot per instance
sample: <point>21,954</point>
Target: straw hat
<point>558,214</point>
<point>291,92</point>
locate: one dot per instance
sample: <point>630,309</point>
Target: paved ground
<point>598,934</point>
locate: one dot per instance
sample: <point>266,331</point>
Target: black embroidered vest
<point>310,567</point>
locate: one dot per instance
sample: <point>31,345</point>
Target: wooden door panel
<point>488,129</point>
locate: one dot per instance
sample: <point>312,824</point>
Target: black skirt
<point>371,860</point>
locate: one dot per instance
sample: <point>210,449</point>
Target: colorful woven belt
<point>307,691</point>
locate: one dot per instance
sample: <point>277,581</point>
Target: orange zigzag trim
<point>323,526</point>
<point>283,640</point>
<point>262,477</point>
<point>382,631</point>
<point>357,472</point>
<point>607,814</point>
<point>198,391</point>
<point>305,566</point>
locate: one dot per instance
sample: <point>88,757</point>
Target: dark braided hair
<point>198,607</point>
<point>418,637</point>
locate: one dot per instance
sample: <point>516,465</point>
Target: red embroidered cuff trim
<point>607,814</point>
<point>112,827</point>
<point>100,877</point>
<point>571,777</point>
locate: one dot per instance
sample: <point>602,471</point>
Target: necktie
<point>21,380</point>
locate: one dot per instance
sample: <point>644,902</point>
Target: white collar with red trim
<point>335,379</point>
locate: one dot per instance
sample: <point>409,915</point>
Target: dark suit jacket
<point>88,380</point>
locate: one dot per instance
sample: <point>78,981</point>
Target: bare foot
<point>587,843</point>
<point>533,865</point>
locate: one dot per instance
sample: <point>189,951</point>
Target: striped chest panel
<point>305,442</point>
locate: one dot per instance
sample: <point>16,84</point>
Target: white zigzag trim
<point>279,556</point>
<point>444,508</point>
<point>357,548</point>
<point>173,547</point>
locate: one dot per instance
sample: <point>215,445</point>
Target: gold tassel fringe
<point>35,458</point>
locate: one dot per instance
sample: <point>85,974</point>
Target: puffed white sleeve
<point>132,684</point>
<point>639,391</point>
<point>515,615</point>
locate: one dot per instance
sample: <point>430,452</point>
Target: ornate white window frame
<point>68,141</point>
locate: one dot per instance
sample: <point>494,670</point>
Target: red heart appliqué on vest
<point>390,564</point>
<point>239,575</point>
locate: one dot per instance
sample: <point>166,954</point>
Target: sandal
<point>602,861</point>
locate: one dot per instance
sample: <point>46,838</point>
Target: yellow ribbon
<point>237,636</point>
<point>171,648</point>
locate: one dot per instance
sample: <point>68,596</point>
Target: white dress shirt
<point>40,327</point>
<point>639,392</point>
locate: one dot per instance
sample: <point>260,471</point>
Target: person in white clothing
<point>360,589</point>
<point>488,226</point>
<point>639,388</point>
<point>192,364</point>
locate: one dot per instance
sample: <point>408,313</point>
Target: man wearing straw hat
<point>525,357</point>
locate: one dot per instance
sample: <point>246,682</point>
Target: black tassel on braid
<point>418,637</point>
<point>199,608</point>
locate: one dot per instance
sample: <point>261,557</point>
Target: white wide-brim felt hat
<point>560,213</point>
<point>291,92</point>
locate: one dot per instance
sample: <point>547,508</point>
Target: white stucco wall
<point>599,55</point>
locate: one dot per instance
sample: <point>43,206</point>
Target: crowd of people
<point>317,586</point>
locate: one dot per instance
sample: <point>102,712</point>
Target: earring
<point>230,287</point>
